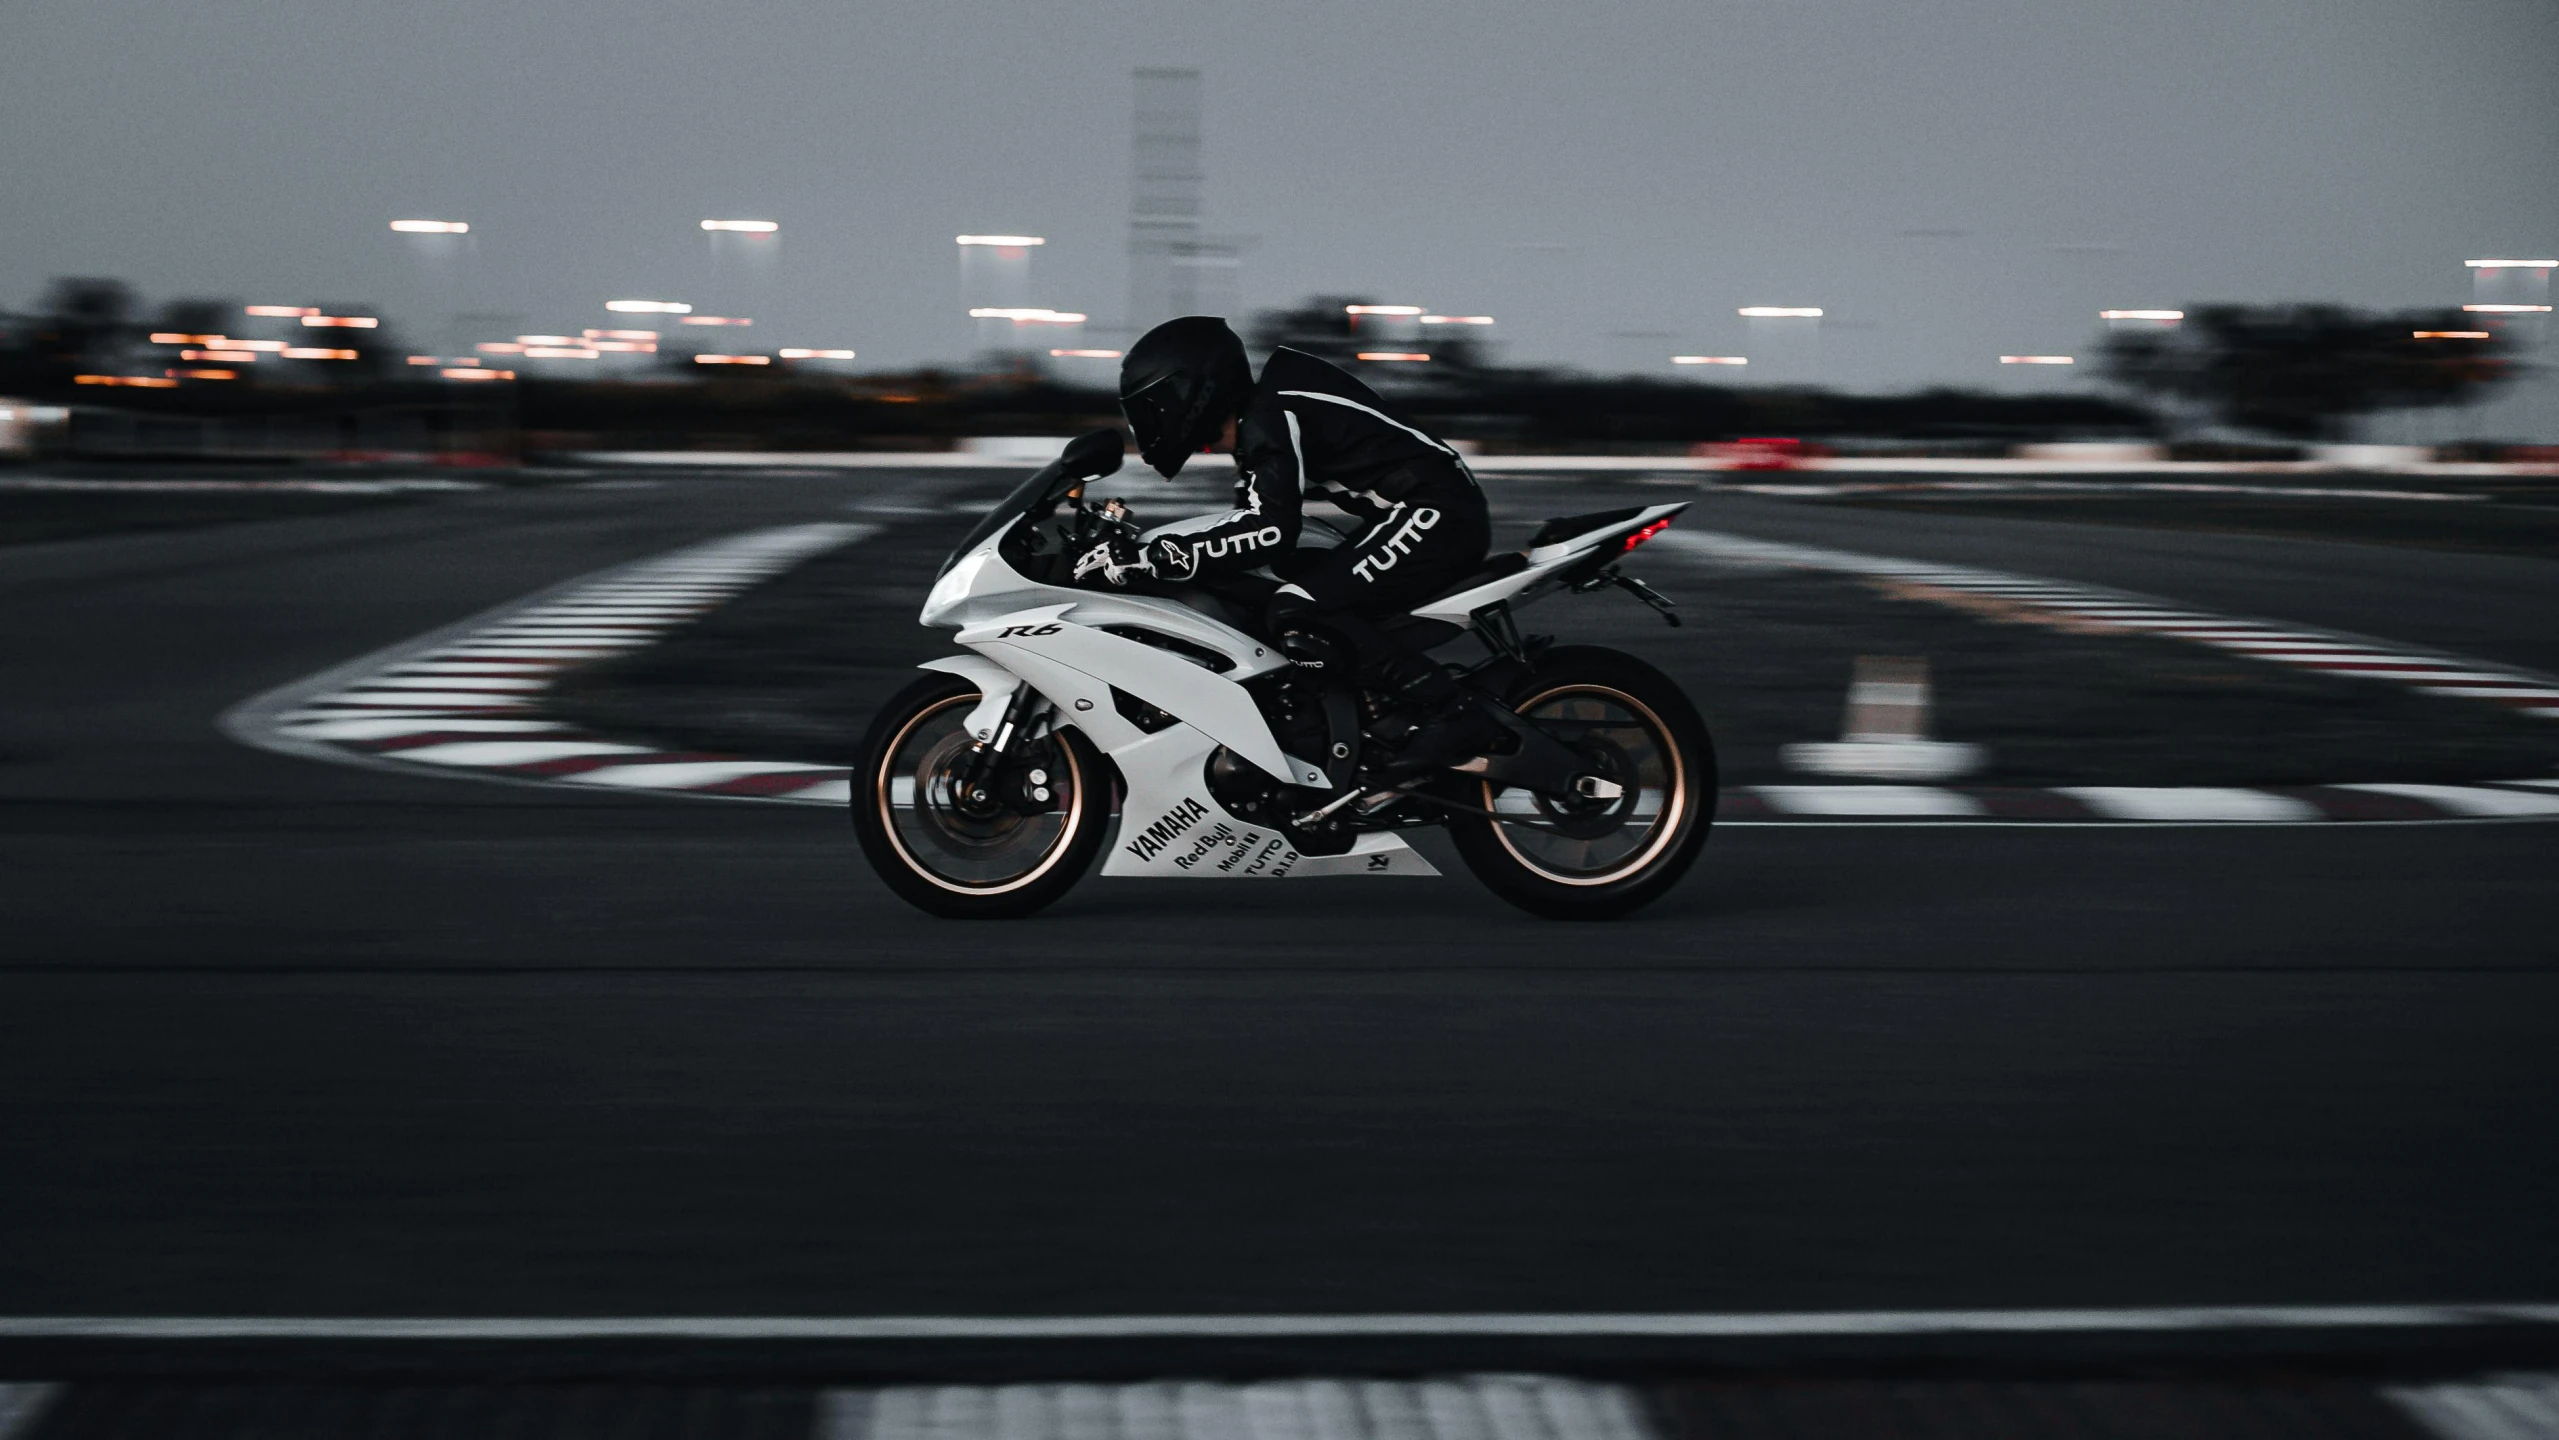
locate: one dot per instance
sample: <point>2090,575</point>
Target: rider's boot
<point>1448,723</point>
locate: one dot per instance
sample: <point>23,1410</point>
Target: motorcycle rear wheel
<point>998,857</point>
<point>1571,859</point>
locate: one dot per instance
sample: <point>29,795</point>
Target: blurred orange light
<point>2038,360</point>
<point>1086,354</point>
<point>1382,309</point>
<point>1009,242</point>
<point>310,352</point>
<point>2141,314</point>
<point>559,352</point>
<point>2450,334</point>
<point>732,359</point>
<point>227,355</point>
<point>544,340</point>
<point>624,347</point>
<point>715,320</point>
<point>172,337</point>
<point>499,347</point>
<point>2512,264</point>
<point>619,334</point>
<point>424,360</point>
<point>649,307</point>
<point>1710,359</point>
<point>1415,355</point>
<point>465,361</point>
<point>1457,319</point>
<point>743,227</point>
<point>146,382</point>
<point>269,346</point>
<point>799,354</point>
<point>431,227</point>
<point>284,311</point>
<point>2508,309</point>
<point>1782,312</point>
<point>459,374</point>
<point>340,322</point>
<point>207,374</point>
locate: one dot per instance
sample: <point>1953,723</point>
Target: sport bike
<point>987,787</point>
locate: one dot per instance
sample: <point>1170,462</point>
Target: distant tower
<point>1173,269</point>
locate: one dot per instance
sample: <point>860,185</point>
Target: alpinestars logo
<point>1215,547</point>
<point>1397,546</point>
<point>1150,842</point>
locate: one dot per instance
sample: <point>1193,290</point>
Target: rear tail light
<point>1647,533</point>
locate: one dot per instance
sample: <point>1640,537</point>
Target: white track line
<point>465,678</point>
<point>2479,800</point>
<point>2193,802</point>
<point>1868,800</point>
<point>1777,1324</point>
<point>2508,1407</point>
<point>20,1405</point>
<point>2326,652</point>
<point>1471,1407</point>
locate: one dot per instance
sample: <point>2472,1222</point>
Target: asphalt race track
<point>287,1038</point>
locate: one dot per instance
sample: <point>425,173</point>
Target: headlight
<point>953,587</point>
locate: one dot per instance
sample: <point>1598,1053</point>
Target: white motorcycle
<point>986,788</point>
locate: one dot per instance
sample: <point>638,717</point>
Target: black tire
<point>922,850</point>
<point>1617,700</point>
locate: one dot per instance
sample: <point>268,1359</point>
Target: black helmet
<point>1179,385</point>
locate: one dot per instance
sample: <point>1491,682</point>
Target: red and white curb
<point>467,701</point>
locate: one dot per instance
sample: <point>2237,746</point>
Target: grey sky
<point>1576,170</point>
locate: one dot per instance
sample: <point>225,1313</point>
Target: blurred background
<point>468,473</point>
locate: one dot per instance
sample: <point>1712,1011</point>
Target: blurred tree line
<point>2297,372</point>
<point>2308,372</point>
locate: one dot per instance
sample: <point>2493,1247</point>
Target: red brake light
<point>1647,533</point>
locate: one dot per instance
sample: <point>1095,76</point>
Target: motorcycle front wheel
<point>983,846</point>
<point>1571,858</point>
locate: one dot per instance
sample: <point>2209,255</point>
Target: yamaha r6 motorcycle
<point>985,788</point>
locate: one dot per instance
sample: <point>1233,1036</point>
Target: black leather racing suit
<point>1310,428</point>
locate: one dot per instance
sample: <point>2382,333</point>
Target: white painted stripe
<point>825,792</point>
<point>2326,653</point>
<point>1474,1407</point>
<point>531,649</point>
<point>2510,1407</point>
<point>2471,799</point>
<point>686,774</point>
<point>492,665</point>
<point>375,727</point>
<point>1868,800</point>
<point>441,699</point>
<point>474,683</point>
<point>20,1404</point>
<point>514,752</point>
<point>2191,802</point>
<point>1041,1327</point>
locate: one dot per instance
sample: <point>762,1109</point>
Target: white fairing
<point>1544,562</point>
<point>1059,642</point>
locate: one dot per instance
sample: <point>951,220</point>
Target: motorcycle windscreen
<point>1038,494</point>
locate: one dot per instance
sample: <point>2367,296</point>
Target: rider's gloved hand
<point>1112,562</point>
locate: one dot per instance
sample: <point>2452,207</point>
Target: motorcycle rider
<point>1307,428</point>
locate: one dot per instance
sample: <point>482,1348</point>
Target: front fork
<point>987,777</point>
